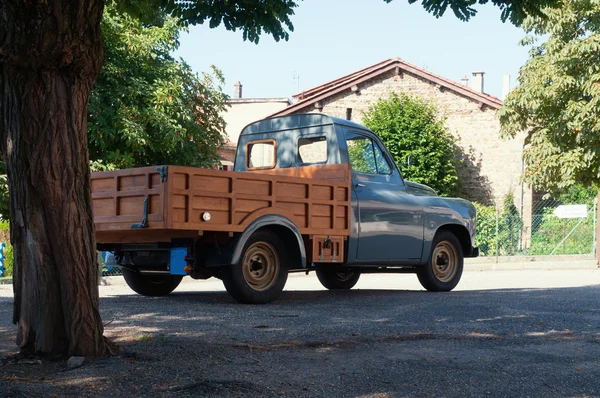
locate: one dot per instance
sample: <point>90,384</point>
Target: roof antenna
<point>296,79</point>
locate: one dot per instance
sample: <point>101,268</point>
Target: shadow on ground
<point>510,342</point>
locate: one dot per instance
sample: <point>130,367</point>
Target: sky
<point>332,38</point>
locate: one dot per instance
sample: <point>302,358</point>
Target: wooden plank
<point>118,198</point>
<point>315,198</point>
<point>251,192</point>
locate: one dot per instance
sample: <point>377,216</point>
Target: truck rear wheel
<point>260,275</point>
<point>337,280</point>
<point>445,266</point>
<point>151,285</point>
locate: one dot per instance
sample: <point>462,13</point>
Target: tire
<point>337,280</point>
<point>261,274</point>
<point>445,265</point>
<point>151,285</point>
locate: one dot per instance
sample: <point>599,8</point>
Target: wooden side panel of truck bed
<point>315,198</point>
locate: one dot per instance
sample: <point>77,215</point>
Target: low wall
<point>577,261</point>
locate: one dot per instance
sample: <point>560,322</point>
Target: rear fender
<point>232,252</point>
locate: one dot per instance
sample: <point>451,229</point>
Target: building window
<point>312,150</point>
<point>261,155</point>
<point>348,113</point>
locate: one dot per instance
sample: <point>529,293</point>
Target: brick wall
<point>227,153</point>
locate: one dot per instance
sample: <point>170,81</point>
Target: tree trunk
<point>50,53</point>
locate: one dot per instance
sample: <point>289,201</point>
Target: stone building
<point>241,112</point>
<point>493,165</point>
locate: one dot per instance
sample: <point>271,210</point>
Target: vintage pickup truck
<point>308,192</point>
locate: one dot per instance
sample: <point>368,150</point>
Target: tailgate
<point>129,199</point>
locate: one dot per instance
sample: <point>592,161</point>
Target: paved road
<point>511,333</point>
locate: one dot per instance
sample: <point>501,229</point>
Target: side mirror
<point>409,160</point>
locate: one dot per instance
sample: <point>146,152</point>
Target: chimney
<point>477,81</point>
<point>237,91</point>
<point>465,81</point>
<point>505,86</point>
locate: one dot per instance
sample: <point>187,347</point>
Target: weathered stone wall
<point>492,165</point>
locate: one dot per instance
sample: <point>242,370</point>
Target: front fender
<point>449,213</point>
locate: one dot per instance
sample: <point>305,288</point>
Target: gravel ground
<point>504,333</point>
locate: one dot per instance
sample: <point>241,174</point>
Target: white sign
<point>571,211</point>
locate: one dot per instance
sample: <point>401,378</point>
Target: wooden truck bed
<point>315,198</point>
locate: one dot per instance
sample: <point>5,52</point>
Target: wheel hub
<point>444,261</point>
<point>260,266</point>
<point>256,267</point>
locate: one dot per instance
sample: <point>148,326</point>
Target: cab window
<point>366,156</point>
<point>312,150</point>
<point>261,155</point>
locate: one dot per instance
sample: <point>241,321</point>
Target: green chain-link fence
<point>507,231</point>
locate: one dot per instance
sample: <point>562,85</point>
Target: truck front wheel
<point>337,280</point>
<point>151,285</point>
<point>260,275</point>
<point>445,266</point>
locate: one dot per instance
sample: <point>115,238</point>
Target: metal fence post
<point>596,230</point>
<point>594,211</point>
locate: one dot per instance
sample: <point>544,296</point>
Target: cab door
<point>390,220</point>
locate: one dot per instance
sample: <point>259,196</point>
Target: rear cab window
<point>312,150</point>
<point>261,155</point>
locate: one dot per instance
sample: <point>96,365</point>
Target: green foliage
<point>3,192</point>
<point>549,235</point>
<point>578,194</point>
<point>8,260</point>
<point>409,125</point>
<point>356,151</point>
<point>502,239</point>
<point>147,108</point>
<point>273,16</point>
<point>251,17</point>
<point>549,231</point>
<point>8,250</point>
<point>485,238</point>
<point>553,235</point>
<point>513,10</point>
<point>510,227</point>
<point>558,99</point>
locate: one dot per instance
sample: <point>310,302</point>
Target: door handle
<point>358,185</point>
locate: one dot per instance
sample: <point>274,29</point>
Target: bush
<point>409,125</point>
<point>8,260</point>
<point>485,229</point>
<point>509,228</point>
<point>505,241</point>
<point>8,250</point>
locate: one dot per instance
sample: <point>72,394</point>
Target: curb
<point>532,265</point>
<point>471,265</point>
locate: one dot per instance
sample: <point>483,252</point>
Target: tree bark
<point>50,54</point>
